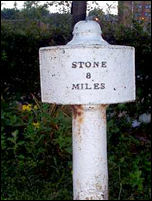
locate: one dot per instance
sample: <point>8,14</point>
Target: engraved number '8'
<point>88,75</point>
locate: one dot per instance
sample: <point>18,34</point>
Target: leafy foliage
<point>129,157</point>
<point>9,14</point>
<point>36,154</point>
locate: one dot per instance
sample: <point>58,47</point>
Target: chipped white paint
<point>90,172</point>
<point>64,79</point>
<point>88,73</point>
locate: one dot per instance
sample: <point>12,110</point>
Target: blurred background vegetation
<point>36,147</point>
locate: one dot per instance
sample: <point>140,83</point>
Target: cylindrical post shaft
<point>90,172</point>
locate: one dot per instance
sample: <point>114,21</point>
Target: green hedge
<point>20,54</point>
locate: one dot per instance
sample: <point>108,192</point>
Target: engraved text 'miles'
<point>81,86</point>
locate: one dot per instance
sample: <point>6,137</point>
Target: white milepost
<point>88,74</point>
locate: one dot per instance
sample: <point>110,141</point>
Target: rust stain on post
<point>77,111</point>
<point>103,113</point>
